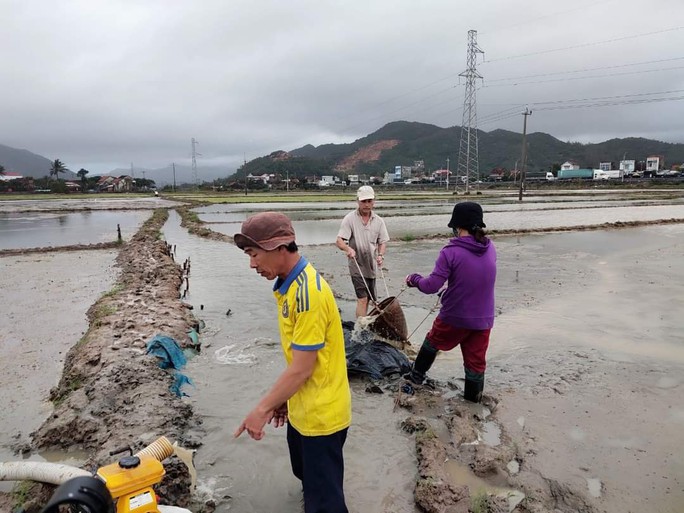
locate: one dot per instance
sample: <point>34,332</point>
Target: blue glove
<point>413,279</point>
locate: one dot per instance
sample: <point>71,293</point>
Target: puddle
<point>491,434</point>
<point>513,467</point>
<point>594,486</point>
<point>462,476</point>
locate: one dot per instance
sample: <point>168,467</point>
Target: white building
<point>628,166</point>
<point>570,164</point>
<point>606,166</point>
<point>655,163</point>
<point>10,176</point>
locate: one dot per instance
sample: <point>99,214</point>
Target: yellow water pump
<point>130,480</point>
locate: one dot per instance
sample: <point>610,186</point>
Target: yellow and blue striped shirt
<point>309,320</point>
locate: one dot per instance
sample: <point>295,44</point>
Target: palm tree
<point>82,173</point>
<point>2,170</point>
<point>57,167</point>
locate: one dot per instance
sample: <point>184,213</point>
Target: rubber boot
<point>474,385</point>
<point>424,360</point>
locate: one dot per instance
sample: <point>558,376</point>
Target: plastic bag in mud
<point>366,355</point>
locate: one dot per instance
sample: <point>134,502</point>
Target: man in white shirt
<point>363,237</point>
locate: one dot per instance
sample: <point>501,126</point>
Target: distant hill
<point>164,175</point>
<point>36,166</point>
<point>401,143</point>
<point>26,163</point>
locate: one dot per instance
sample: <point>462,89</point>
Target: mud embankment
<point>462,468</point>
<point>51,249</point>
<point>191,221</point>
<point>111,393</point>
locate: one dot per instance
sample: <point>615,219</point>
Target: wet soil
<point>109,386</point>
<point>584,378</point>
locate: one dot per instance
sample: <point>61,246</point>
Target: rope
<point>383,279</point>
<point>370,296</point>
<point>432,310</point>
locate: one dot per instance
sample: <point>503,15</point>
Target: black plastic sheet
<point>367,355</point>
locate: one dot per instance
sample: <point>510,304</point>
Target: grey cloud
<point>108,82</point>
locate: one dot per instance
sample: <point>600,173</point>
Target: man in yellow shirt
<point>312,394</point>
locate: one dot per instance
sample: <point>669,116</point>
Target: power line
<point>673,91</point>
<point>584,45</point>
<point>384,115</point>
<point>613,103</point>
<point>623,73</point>
<point>584,70</point>
<point>532,20</point>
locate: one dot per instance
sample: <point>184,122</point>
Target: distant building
<point>570,164</point>
<point>628,166</point>
<point>122,183</point>
<point>441,175</point>
<point>10,176</point>
<point>655,163</point>
<point>72,186</point>
<point>497,174</point>
<point>606,166</point>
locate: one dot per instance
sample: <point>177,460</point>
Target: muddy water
<point>36,230</point>
<point>45,298</point>
<point>240,360</point>
<point>586,355</point>
<point>586,358</point>
<point>418,222</point>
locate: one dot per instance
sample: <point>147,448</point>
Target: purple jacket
<point>469,268</point>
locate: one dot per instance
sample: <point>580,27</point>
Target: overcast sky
<point>101,84</point>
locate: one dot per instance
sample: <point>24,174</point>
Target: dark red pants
<point>474,343</point>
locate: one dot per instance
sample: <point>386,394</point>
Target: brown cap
<point>266,230</point>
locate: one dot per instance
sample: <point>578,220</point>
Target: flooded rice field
<point>41,229</point>
<point>586,357</point>
<point>318,223</point>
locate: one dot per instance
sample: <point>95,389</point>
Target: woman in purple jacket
<point>467,264</point>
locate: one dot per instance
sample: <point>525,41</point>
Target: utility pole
<point>194,142</point>
<point>447,175</point>
<point>174,176</point>
<point>523,168</point>
<point>468,163</point>
<point>244,166</point>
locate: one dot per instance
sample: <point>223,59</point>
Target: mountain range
<point>400,143</point>
<point>27,164</point>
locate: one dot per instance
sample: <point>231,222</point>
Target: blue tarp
<point>170,356</point>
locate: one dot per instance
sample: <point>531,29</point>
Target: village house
<point>113,184</point>
<point>570,164</point>
<point>628,167</point>
<point>10,176</point>
<point>655,163</point>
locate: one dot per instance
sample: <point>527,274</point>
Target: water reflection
<point>31,229</point>
<point>419,223</point>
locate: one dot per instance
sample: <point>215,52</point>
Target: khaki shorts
<point>360,287</point>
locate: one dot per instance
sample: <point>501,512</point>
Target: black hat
<point>467,215</point>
